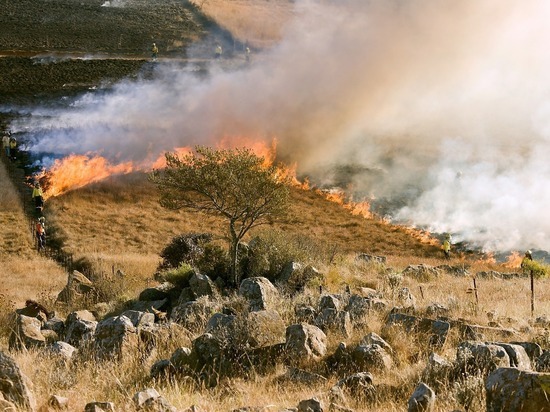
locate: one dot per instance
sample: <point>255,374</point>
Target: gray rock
<point>139,318</point>
<point>371,258</point>
<point>334,320</point>
<point>422,272</point>
<point>305,343</point>
<point>305,313</point>
<point>80,326</point>
<point>310,405</point>
<point>372,357</point>
<point>160,292</point>
<point>56,324</point>
<point>422,399</point>
<point>63,350</point>
<point>406,298</point>
<point>58,402</point>
<point>473,357</point>
<point>289,271</point>
<point>329,302</point>
<point>373,338</point>
<point>194,315</point>
<point>99,407</point>
<point>359,385</point>
<point>202,285</point>
<point>26,333</point>
<point>265,328</point>
<point>259,292</point>
<point>116,336</point>
<point>14,385</point>
<point>517,354</point>
<point>77,286</point>
<point>221,326</point>
<point>511,389</point>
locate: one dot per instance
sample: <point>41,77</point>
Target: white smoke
<point>410,92</point>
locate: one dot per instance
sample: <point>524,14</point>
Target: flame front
<point>75,171</point>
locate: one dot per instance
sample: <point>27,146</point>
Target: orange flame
<point>514,260</point>
<point>356,208</point>
<point>76,171</point>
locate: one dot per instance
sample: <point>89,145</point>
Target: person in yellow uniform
<point>38,197</point>
<point>447,246</point>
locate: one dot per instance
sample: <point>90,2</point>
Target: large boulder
<point>62,350</point>
<point>511,389</point>
<point>305,343</point>
<point>422,399</point>
<point>474,357</point>
<point>14,385</point>
<point>202,285</point>
<point>26,333</point>
<point>517,354</point>
<point>265,328</point>
<point>77,286</point>
<point>194,315</point>
<point>334,320</point>
<point>372,357</point>
<point>115,336</point>
<point>139,318</point>
<point>80,327</point>
<point>259,292</point>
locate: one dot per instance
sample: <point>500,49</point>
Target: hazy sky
<point>446,102</point>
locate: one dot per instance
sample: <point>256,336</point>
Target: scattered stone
<point>116,336</point>
<point>310,405</point>
<point>265,328</point>
<point>202,285</point>
<point>63,350</point>
<point>289,272</point>
<point>26,333</point>
<point>422,399</point>
<point>157,293</point>
<point>329,302</point>
<point>221,326</point>
<point>259,292</point>
<point>406,298</point>
<point>373,338</point>
<point>437,310</point>
<point>334,320</point>
<point>372,357</point>
<point>421,273</point>
<point>77,286</point>
<point>99,407</point>
<point>81,326</point>
<point>512,389</point>
<point>437,330</point>
<point>139,318</point>
<point>371,258</point>
<point>474,357</point>
<point>151,401</point>
<point>194,315</point>
<point>58,402</point>
<point>305,343</point>
<point>305,313</point>
<point>517,354</point>
<point>359,385</point>
<point>14,385</point>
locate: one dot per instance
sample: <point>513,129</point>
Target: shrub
<point>185,248</point>
<point>540,270</point>
<point>214,262</point>
<point>179,276</point>
<point>271,250</point>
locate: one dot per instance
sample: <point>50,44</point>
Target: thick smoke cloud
<point>443,105</point>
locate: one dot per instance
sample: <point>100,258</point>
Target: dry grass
<point>260,23</point>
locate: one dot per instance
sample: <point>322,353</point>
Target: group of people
<point>9,143</point>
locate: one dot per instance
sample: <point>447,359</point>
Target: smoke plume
<point>441,109</point>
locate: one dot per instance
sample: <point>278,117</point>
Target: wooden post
<point>475,291</point>
<point>532,293</point>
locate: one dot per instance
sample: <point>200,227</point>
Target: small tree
<point>234,183</point>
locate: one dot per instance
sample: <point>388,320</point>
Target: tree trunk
<point>233,252</point>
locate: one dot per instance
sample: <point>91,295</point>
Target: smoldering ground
<point>445,102</point>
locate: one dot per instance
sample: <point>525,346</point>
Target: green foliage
<point>186,248</point>
<point>271,250</point>
<point>540,270</point>
<point>235,184</point>
<point>179,276</point>
<point>214,262</point>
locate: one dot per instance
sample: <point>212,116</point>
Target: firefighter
<point>247,53</point>
<point>13,147</point>
<point>218,52</point>
<point>526,260</point>
<point>38,197</point>
<point>447,246</point>
<point>41,233</point>
<point>6,144</point>
<point>154,51</point>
